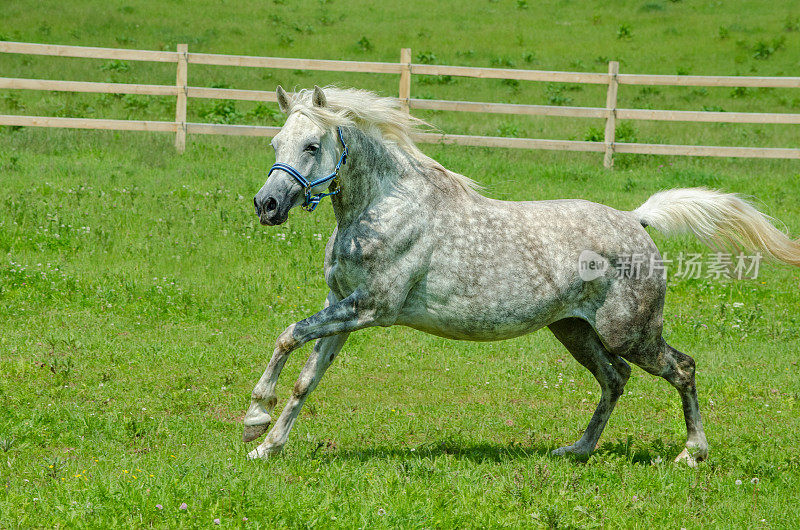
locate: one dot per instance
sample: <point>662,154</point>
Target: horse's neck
<point>370,172</point>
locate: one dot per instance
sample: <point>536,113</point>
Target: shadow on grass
<point>495,452</point>
<point>476,452</point>
<point>642,454</point>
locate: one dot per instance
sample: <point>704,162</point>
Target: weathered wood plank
<point>510,73</point>
<point>707,116</point>
<point>88,123</point>
<point>508,108</point>
<point>86,86</point>
<point>516,143</point>
<point>610,133</point>
<point>707,150</point>
<point>181,81</point>
<point>59,50</point>
<point>710,80</point>
<point>294,64</point>
<point>232,130</point>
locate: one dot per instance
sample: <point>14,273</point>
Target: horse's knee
<point>617,384</point>
<point>613,375</point>
<point>686,366</point>
<point>623,369</point>
<point>286,341</point>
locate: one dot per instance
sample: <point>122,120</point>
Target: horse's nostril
<point>271,204</point>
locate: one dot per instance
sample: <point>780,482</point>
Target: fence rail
<point>182,91</point>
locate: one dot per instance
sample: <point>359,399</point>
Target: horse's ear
<point>283,100</point>
<point>319,98</point>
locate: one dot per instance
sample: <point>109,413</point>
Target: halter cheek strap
<point>311,201</point>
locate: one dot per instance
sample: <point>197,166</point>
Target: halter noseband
<point>311,201</point>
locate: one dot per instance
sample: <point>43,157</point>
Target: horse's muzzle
<point>268,211</point>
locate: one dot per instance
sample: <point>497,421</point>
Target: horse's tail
<point>719,219</point>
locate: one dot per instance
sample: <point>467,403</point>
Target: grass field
<point>140,298</point>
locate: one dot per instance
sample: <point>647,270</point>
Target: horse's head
<point>303,147</point>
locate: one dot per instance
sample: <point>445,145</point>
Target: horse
<point>418,245</point>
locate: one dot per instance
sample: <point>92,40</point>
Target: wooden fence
<point>405,69</point>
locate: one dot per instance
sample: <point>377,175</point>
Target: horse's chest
<point>344,269</point>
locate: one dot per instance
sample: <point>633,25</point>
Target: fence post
<point>611,120</point>
<point>180,104</point>
<point>405,77</point>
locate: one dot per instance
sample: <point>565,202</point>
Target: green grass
<point>140,299</point>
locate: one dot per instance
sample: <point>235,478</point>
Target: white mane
<point>380,117</point>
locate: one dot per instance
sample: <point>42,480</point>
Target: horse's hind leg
<point>678,368</point>
<point>609,369</point>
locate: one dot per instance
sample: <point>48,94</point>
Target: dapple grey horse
<point>416,245</point>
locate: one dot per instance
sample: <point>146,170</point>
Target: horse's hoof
<point>688,459</point>
<point>251,432</point>
<point>256,421</point>
<point>572,450</point>
<point>262,453</point>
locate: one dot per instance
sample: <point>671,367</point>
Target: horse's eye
<point>312,148</point>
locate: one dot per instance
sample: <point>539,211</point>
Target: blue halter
<point>311,201</point>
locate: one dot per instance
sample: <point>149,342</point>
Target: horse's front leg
<point>325,351</point>
<point>263,399</point>
<point>331,326</point>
